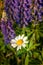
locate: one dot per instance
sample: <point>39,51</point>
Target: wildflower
<point>7,29</point>
<point>19,42</point>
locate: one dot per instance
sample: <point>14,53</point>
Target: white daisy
<point>19,41</point>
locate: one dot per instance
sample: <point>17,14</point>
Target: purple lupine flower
<point>10,29</point>
<point>21,10</point>
<point>33,11</point>
<point>12,7</point>
<point>14,10</point>
<point>4,31</point>
<point>27,11</point>
<point>39,16</point>
<point>7,30</point>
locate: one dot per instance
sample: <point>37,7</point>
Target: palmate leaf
<point>29,34</point>
<point>25,30</point>
<point>34,46</point>
<point>32,43</point>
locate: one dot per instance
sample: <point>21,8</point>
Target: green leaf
<point>37,55</point>
<point>27,60</point>
<point>37,34</point>
<point>32,41</point>
<point>41,34</point>
<point>30,33</point>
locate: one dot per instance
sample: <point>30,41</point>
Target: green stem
<point>23,58</point>
<point>27,59</point>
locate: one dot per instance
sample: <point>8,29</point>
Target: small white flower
<point>19,41</point>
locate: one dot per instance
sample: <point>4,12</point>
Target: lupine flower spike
<point>6,27</point>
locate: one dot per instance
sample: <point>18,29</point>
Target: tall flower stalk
<point>7,29</point>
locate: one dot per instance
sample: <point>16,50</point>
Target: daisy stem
<point>23,58</point>
<point>27,59</point>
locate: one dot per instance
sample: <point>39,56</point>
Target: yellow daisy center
<point>19,42</point>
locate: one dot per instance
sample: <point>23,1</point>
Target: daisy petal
<point>12,41</point>
<point>16,38</point>
<point>19,47</point>
<point>24,45</point>
<point>26,41</point>
<point>19,37</point>
<point>22,36</point>
<point>25,38</point>
<point>13,45</point>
